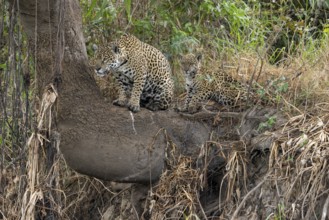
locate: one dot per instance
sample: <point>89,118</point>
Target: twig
<point>106,188</point>
<point>119,193</point>
<point>261,66</point>
<point>325,209</point>
<point>133,122</point>
<point>252,79</point>
<point>135,211</point>
<point>202,211</point>
<point>236,212</point>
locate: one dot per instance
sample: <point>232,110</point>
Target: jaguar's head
<point>191,64</point>
<point>110,57</point>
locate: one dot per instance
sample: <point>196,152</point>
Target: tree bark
<point>97,138</point>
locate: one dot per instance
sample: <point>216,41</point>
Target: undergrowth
<point>280,45</point>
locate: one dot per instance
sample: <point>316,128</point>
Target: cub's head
<point>191,64</point>
<point>110,57</point>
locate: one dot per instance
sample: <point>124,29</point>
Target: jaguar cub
<point>203,84</point>
<point>142,72</point>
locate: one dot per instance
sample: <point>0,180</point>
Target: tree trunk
<point>97,138</point>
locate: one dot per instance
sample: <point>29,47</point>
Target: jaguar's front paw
<point>133,108</point>
<point>153,106</point>
<point>181,109</point>
<point>193,109</point>
<point>120,102</point>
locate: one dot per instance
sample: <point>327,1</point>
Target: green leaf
<point>91,8</point>
<point>127,4</point>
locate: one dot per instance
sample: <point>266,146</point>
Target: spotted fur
<point>142,72</point>
<point>203,84</point>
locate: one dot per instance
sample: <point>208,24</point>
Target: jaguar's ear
<point>125,36</point>
<point>115,49</point>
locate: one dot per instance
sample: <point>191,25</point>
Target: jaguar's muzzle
<point>101,72</point>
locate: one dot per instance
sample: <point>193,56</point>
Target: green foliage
<point>267,124</point>
<point>191,216</point>
<point>277,88</point>
<point>282,27</point>
<point>127,4</point>
<point>275,30</point>
<point>281,212</point>
<point>15,111</point>
<point>280,215</point>
<point>3,66</point>
<point>98,17</point>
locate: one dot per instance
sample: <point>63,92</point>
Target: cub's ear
<point>125,35</point>
<point>115,48</point>
<point>198,56</point>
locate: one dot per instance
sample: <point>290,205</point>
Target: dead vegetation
<point>276,171</point>
<point>287,178</point>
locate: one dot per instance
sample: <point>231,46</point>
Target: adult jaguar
<point>142,72</point>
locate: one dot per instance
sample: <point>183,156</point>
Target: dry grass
<point>294,185</point>
<point>49,187</point>
<point>299,163</point>
<point>176,195</point>
<point>287,179</point>
<point>293,181</point>
<point>307,80</point>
